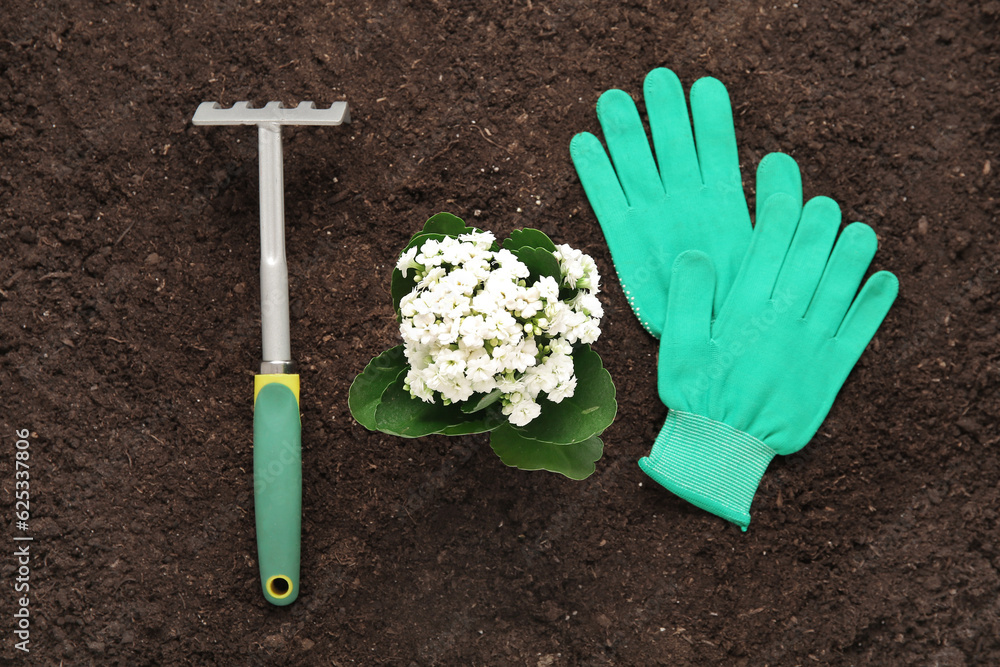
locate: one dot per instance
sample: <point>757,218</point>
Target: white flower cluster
<point>473,326</point>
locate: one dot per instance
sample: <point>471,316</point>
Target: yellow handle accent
<point>290,380</point>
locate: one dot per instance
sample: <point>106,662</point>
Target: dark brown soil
<point>129,336</point>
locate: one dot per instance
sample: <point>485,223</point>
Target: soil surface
<point>129,337</point>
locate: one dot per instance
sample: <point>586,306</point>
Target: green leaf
<point>398,413</point>
<point>528,238</point>
<point>367,388</point>
<point>586,413</point>
<point>540,262</point>
<point>567,293</point>
<point>482,422</point>
<point>575,461</point>
<point>484,401</point>
<point>399,288</point>
<point>447,224</point>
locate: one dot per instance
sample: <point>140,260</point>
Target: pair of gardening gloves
<point>759,326</point>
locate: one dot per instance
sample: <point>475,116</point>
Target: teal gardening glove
<point>689,198</point>
<point>759,379</point>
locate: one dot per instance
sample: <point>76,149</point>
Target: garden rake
<point>277,430</point>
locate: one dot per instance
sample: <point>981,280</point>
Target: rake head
<point>243,113</point>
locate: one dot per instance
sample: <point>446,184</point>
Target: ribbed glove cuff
<point>709,464</point>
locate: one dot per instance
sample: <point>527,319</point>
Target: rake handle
<point>277,481</point>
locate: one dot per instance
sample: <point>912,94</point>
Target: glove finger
<point>842,277</point>
<point>768,246</point>
<point>808,254</point>
<point>671,128</point>
<point>598,178</point>
<point>715,136</point>
<point>866,314</point>
<point>629,148</point>
<point>689,301</point>
<point>777,173</point>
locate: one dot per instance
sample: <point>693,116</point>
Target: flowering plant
<point>495,339</point>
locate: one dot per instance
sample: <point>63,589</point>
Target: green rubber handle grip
<point>277,482</point>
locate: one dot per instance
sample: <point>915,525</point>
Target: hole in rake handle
<point>279,586</point>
